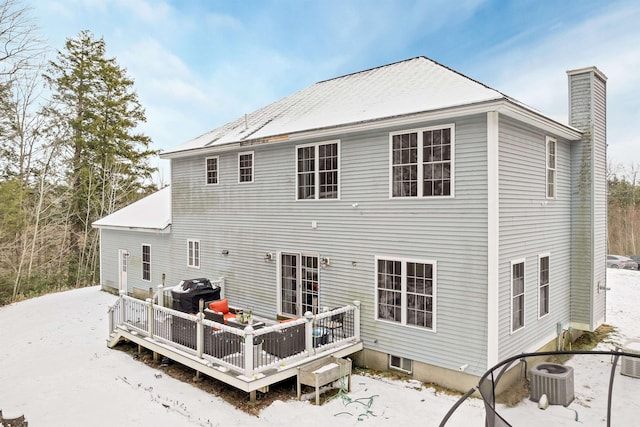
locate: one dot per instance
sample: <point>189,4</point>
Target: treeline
<point>624,213</point>
<point>70,153</point>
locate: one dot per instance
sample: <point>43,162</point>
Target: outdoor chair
<point>219,311</point>
<point>285,342</point>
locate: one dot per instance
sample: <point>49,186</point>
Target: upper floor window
<point>211,164</point>
<point>551,168</point>
<point>543,284</point>
<point>245,167</point>
<point>146,262</point>
<point>317,174</point>
<point>405,292</point>
<point>517,295</point>
<point>193,253</point>
<point>422,162</point>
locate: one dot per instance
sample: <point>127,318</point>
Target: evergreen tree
<point>94,115</point>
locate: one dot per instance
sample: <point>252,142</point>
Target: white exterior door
<point>123,266</point>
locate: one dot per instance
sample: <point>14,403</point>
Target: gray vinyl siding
<point>581,162</point>
<point>531,225</point>
<point>600,199</point>
<point>588,113</point>
<point>250,220</point>
<point>132,241</point>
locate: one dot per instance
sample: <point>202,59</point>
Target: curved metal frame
<point>488,381</point>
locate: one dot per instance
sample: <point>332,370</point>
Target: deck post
<point>150,317</point>
<point>356,320</point>
<point>248,351</point>
<point>111,320</point>
<point>221,280</point>
<point>160,294</point>
<point>200,328</point>
<point>308,333</point>
<point>199,333</point>
<point>122,308</point>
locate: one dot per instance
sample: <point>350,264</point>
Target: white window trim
<point>524,295</point>
<point>142,262</point>
<point>189,241</point>
<point>553,196</point>
<point>403,297</point>
<point>420,163</point>
<point>548,255</point>
<point>253,166</point>
<point>206,170</point>
<point>317,171</point>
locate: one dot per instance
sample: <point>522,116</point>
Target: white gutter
<point>157,230</point>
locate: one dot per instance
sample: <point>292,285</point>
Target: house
<point>127,238</point>
<point>470,226</point>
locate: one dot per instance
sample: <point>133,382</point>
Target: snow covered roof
<point>411,86</point>
<point>151,213</point>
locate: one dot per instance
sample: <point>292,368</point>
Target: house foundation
<point>424,372</point>
<point>451,379</point>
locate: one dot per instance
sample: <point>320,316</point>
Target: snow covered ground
<point>56,369</point>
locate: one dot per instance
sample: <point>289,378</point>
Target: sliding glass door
<point>299,284</point>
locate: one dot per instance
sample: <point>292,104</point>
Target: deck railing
<point>246,351</point>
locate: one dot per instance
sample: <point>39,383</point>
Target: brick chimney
<point>588,113</point>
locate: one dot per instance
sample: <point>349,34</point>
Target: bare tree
<point>21,59</point>
<point>21,62</point>
<point>19,42</point>
<point>623,209</point>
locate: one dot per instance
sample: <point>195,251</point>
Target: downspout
<point>493,242</point>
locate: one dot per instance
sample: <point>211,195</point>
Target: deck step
<point>114,339</point>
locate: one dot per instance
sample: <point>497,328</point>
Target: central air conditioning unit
<point>553,380</point>
<point>630,366</point>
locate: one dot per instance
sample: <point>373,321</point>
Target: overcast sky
<point>198,64</point>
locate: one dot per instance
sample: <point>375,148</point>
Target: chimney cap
<point>586,70</point>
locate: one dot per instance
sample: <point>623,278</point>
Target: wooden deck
<point>248,359</point>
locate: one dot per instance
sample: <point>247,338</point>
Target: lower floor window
<point>544,286</point>
<point>517,295</point>
<point>146,262</point>
<point>400,363</point>
<point>405,291</point>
